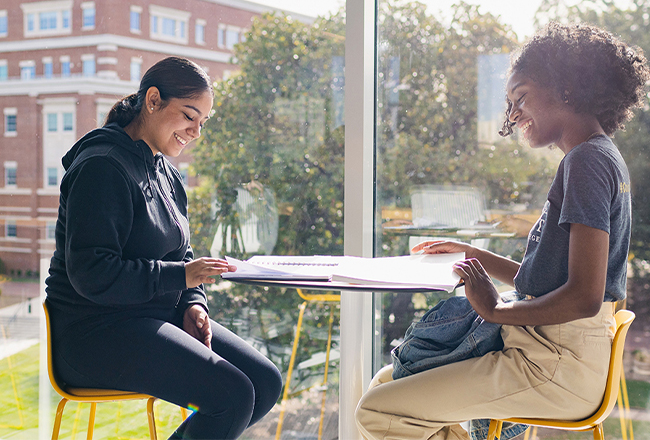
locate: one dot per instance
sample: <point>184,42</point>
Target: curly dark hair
<point>589,68</point>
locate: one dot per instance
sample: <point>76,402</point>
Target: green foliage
<point>272,126</point>
<point>428,115</point>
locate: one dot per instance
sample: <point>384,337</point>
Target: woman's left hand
<point>197,323</point>
<point>479,288</point>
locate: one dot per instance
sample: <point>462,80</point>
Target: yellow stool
<point>92,395</point>
<point>331,298</point>
<point>594,423</point>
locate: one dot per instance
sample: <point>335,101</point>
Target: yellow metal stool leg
<point>494,431</point>
<point>91,421</point>
<point>57,418</point>
<point>285,394</point>
<point>624,410</point>
<point>327,364</point>
<point>151,418</point>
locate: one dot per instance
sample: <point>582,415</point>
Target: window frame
<point>10,174</point>
<point>135,10</point>
<point>52,123</point>
<point>50,231</point>
<point>11,229</point>
<point>48,182</point>
<point>4,70</point>
<point>135,61</point>
<point>199,36</point>
<point>33,18</point>
<point>10,113</point>
<point>4,23</point>
<point>27,70</point>
<point>86,7</point>
<point>222,35</point>
<point>158,16</point>
<point>48,67</point>
<point>87,61</point>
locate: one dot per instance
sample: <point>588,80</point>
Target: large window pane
<point>444,172</point>
<point>272,158</point>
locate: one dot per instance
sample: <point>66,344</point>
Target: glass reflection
<point>440,104</point>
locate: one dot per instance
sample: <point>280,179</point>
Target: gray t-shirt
<point>591,187</point>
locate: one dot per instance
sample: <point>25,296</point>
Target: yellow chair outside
<point>594,423</point>
<point>92,395</point>
<point>331,298</point>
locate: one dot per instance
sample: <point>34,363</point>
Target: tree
<point>272,125</point>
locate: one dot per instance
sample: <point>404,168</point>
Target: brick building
<point>63,63</point>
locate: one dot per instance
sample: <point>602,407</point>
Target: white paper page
<point>293,268</point>
<point>419,270</point>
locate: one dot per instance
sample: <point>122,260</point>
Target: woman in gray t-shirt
<point>572,86</point>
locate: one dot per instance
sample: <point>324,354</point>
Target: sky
<point>518,14</point>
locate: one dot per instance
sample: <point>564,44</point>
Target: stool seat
<point>593,423</point>
<point>91,395</point>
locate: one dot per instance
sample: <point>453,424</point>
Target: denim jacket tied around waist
<point>451,332</point>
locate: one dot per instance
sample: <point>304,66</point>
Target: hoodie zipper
<point>168,202</point>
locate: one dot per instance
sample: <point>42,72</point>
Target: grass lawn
<point>114,420</point>
<point>127,420</point>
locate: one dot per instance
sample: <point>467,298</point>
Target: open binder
<point>409,271</point>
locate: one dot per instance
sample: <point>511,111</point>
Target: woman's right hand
<point>201,270</point>
<point>445,247</point>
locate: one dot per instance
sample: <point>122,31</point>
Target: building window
<point>4,30</point>
<point>199,32</point>
<point>10,122</point>
<point>136,14</point>
<point>52,176</point>
<point>65,19</point>
<point>48,69</point>
<point>47,18</point>
<point>88,65</point>
<point>88,15</point>
<point>50,231</point>
<point>136,69</point>
<point>52,122</point>
<point>67,122</point>
<point>228,36</point>
<point>27,70</point>
<point>11,230</point>
<point>169,24</point>
<point>232,38</point>
<point>65,66</point>
<point>10,173</point>
<point>3,70</point>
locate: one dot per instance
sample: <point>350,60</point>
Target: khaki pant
<point>550,371</point>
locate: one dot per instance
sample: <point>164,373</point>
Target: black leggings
<point>232,385</point>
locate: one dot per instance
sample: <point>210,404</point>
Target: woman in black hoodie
<point>125,293</point>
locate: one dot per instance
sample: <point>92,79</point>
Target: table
<point>451,232</point>
<point>356,339</point>
<point>334,285</point>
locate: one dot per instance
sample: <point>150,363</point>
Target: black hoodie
<point>122,234</point>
